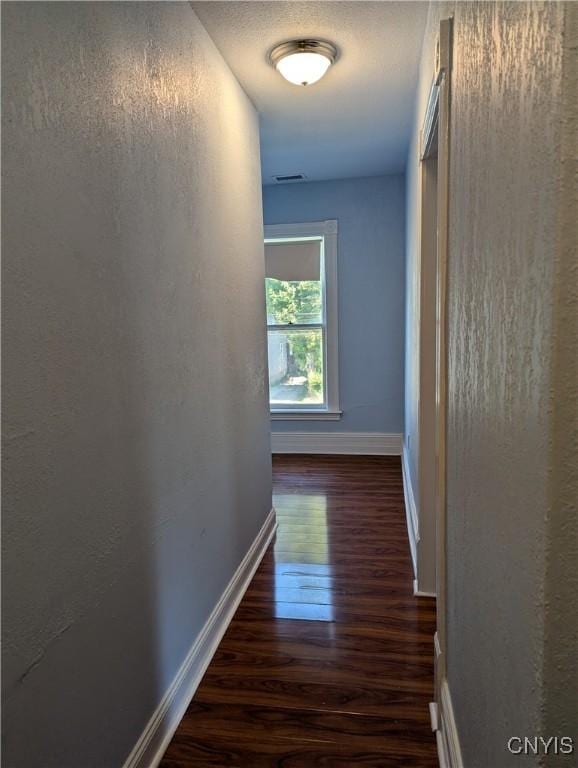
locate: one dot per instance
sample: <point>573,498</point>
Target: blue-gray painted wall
<point>137,458</point>
<point>371,274</point>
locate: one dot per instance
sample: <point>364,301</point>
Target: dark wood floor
<point>329,659</point>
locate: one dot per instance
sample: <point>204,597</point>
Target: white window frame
<point>327,232</point>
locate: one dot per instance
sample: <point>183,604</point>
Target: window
<point>301,295</point>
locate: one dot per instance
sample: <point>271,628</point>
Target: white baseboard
<point>437,648</point>
<point>442,750</point>
<point>433,715</point>
<point>410,513</point>
<point>149,749</point>
<point>360,443</point>
<point>448,743</point>
<point>420,592</point>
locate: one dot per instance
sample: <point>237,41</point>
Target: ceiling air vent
<point>288,178</point>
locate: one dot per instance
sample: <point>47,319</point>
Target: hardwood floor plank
<point>309,647</point>
<point>346,669</point>
<point>355,699</point>
<point>273,752</point>
<point>336,638</point>
<point>408,622</point>
<point>297,724</point>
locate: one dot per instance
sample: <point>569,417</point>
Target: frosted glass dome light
<point>303,62</point>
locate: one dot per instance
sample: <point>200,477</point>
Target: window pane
<point>293,301</point>
<point>295,367</point>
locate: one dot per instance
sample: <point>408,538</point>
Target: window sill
<point>306,415</point>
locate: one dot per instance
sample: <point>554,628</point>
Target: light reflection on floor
<point>303,571</point>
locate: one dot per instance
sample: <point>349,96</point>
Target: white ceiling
<point>356,120</point>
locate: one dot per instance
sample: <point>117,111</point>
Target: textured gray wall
<point>560,666</point>
<point>505,175</point>
<point>511,526</point>
<point>137,454</point>
<point>412,245</point>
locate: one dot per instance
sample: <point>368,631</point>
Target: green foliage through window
<point>294,302</point>
<point>297,303</point>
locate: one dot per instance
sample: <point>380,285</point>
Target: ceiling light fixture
<point>303,62</point>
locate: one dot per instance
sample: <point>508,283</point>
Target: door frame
<point>446,735</point>
<point>426,293</point>
<point>443,83</point>
<point>436,132</point>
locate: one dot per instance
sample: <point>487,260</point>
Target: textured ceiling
<point>356,120</point>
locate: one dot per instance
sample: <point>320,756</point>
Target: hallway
<point>329,659</point>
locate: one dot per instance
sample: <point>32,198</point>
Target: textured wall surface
<point>510,373</point>
<point>504,157</point>
<point>370,214</point>
<point>137,454</point>
<point>412,245</point>
<point>560,666</point>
